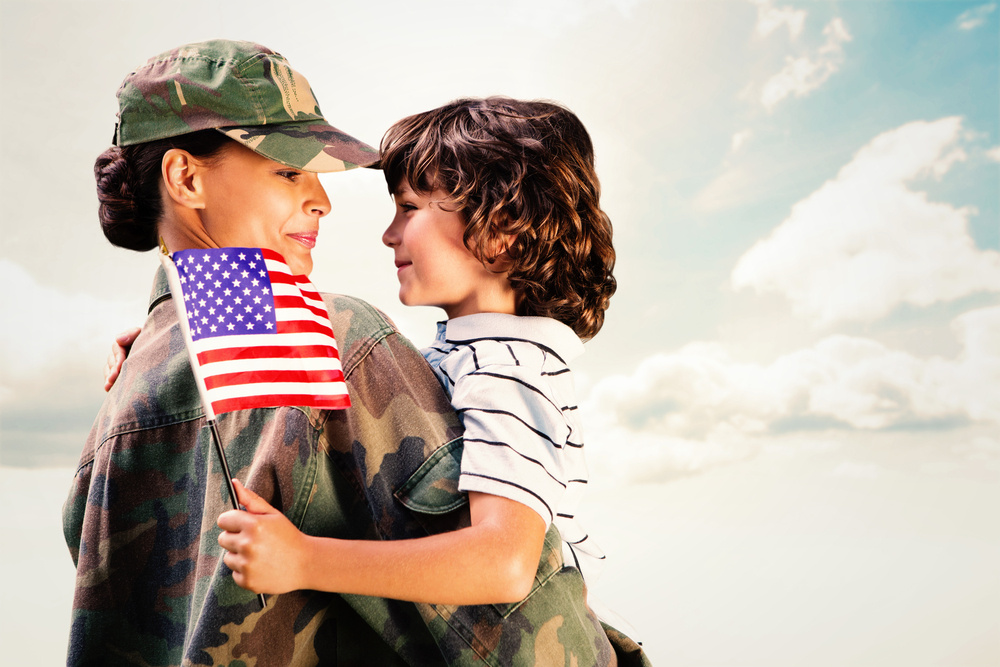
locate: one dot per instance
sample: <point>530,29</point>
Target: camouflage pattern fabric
<point>140,521</point>
<point>245,90</point>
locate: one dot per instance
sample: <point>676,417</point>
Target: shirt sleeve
<point>515,433</point>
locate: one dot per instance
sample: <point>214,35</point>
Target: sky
<point>806,336</point>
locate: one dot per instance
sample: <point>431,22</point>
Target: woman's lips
<point>308,239</point>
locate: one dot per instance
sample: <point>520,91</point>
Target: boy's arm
<point>493,561</point>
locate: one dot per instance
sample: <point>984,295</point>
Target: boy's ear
<point>182,180</point>
<point>497,252</point>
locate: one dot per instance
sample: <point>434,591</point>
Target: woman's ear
<point>182,178</point>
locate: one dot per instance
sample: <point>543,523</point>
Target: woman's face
<point>252,201</point>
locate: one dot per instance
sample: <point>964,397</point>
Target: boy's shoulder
<point>495,339</point>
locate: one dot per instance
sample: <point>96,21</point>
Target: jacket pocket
<point>433,488</point>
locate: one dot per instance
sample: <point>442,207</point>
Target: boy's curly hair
<point>522,175</point>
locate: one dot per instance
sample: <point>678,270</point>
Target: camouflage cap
<point>242,89</point>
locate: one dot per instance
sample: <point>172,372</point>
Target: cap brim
<point>310,145</point>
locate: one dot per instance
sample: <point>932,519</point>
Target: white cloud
<point>699,406</point>
<point>770,18</point>
<point>857,470</point>
<point>801,76</point>
<point>740,139</point>
<point>47,329</point>
<point>973,18</point>
<point>864,242</point>
<point>994,154</point>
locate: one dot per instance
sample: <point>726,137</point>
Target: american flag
<point>258,336</point>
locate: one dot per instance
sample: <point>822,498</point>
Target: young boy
<point>498,223</point>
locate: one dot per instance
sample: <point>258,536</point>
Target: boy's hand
<point>119,350</point>
<point>265,549</point>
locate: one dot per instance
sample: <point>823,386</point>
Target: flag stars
<point>222,292</point>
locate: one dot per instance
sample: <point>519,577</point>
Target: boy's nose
<point>390,237</point>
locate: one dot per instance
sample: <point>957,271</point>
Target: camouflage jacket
<point>152,589</point>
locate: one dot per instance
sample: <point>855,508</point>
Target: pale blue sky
<point>807,218</point>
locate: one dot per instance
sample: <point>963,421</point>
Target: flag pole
<point>175,290</point>
<point>229,482</point>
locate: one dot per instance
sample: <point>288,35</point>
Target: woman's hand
<point>119,350</point>
<point>265,549</point>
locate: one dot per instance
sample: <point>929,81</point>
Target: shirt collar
<point>543,330</point>
<point>161,289</point>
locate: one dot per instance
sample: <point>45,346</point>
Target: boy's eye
<point>289,174</point>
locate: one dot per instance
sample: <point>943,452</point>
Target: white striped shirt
<point>508,379</point>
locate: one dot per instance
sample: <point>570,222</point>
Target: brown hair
<point>128,185</point>
<point>520,169</point>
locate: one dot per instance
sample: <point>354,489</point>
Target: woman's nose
<point>317,201</point>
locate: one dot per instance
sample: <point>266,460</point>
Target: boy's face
<point>432,263</point>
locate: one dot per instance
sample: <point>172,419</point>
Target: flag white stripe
<point>266,364</point>
<point>294,314</point>
<point>250,340</point>
<point>277,388</point>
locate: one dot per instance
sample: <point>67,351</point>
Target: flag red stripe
<point>275,351</point>
<point>253,377</point>
<point>288,301</point>
<point>271,400</point>
<point>304,326</point>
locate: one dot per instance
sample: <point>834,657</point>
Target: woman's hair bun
<point>124,210</point>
